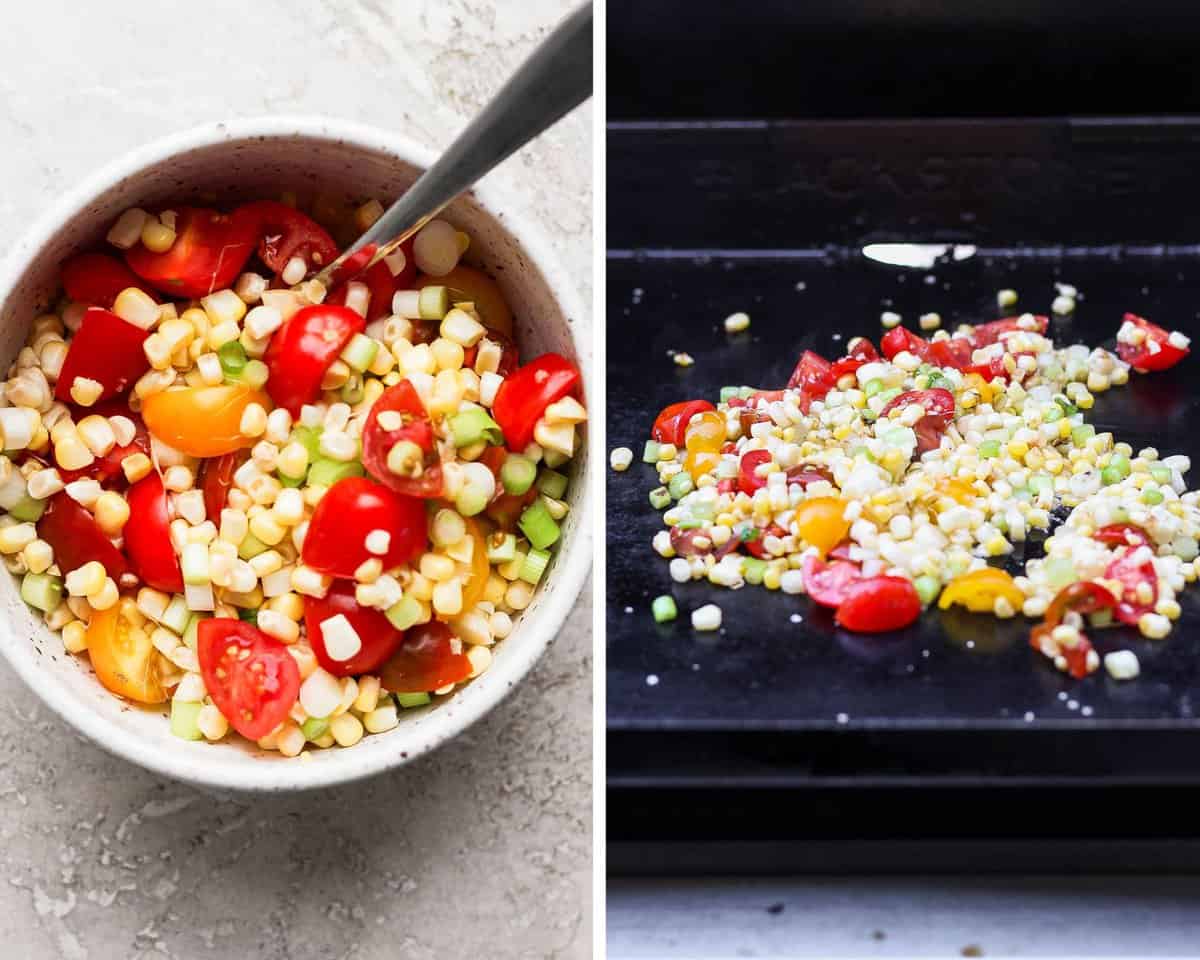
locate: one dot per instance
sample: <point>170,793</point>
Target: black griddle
<point>778,745</point>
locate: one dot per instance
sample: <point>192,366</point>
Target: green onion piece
<point>534,566</point>
<point>651,451</point>
<point>660,498</point>
<point>247,615</point>
<point>314,728</point>
<point>360,352</point>
<point>502,551</point>
<point>1161,474</point>
<point>538,526</point>
<point>1052,413</point>
<point>938,382</point>
<point>664,608</point>
<point>254,374</point>
<point>471,500</point>
<point>326,473</point>
<point>189,632</point>
<point>1152,496</point>
<point>27,509</point>
<point>251,547</point>
<point>691,523</point>
<point>404,613</point>
<point>352,389</point>
<point>310,437</point>
<point>473,425</point>
<point>927,588</point>
<point>753,569</point>
<point>286,481</point>
<point>680,485</point>
<point>233,358</point>
<point>42,590</point>
<point>1121,463</point>
<point>184,720</point>
<point>177,615</point>
<point>746,392</point>
<point>728,393</point>
<point>410,700</point>
<point>1040,483</point>
<point>517,474</point>
<point>433,303</point>
<point>552,483</point>
<point>1110,475</point>
<point>1059,572</point>
<point>1081,434</point>
<point>872,387</point>
<point>554,458</point>
<point>989,449</point>
<point>887,396</point>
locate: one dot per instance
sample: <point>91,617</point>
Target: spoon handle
<point>552,82</point>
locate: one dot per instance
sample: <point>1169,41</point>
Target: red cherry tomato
<point>828,583</point>
<point>1132,572</point>
<point>352,508</point>
<point>879,604</point>
<point>955,352</point>
<point>988,333</point>
<point>1083,598</point>
<point>209,252</point>
<point>106,349</point>
<point>862,352</point>
<point>806,473</point>
<point>936,402</point>
<point>251,677</point>
<point>670,426</point>
<point>753,539</point>
<point>284,232</point>
<point>148,536</point>
<point>77,538</point>
<point>416,428</point>
<point>379,638</point>
<point>97,278</point>
<point>748,479</point>
<point>1154,352</point>
<point>425,661</point>
<point>899,340</point>
<point>216,477</point>
<point>813,377</point>
<point>1122,535</point>
<point>108,467</point>
<point>510,357</point>
<point>303,349</point>
<point>524,397</point>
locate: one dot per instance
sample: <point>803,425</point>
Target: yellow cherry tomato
<point>820,522</point>
<point>480,568</point>
<point>700,462</point>
<point>467,283</point>
<point>958,490</point>
<point>705,433</point>
<point>975,382</point>
<point>979,590</point>
<point>202,421</point>
<point>123,656</point>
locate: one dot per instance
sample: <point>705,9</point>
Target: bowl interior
<point>237,165</point>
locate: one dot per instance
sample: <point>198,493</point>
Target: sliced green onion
<point>887,396</point>
<point>1041,483</point>
<point>410,700</point>
<point>538,526</point>
<point>989,449</point>
<point>314,728</point>
<point>872,387</point>
<point>1161,474</point>
<point>1081,434</point>
<point>473,425</point>
<point>502,551</point>
<point>517,474</point>
<point>28,509</point>
<point>534,566</point>
<point>1052,413</point>
<point>1120,463</point>
<point>286,481</point>
<point>185,720</point>
<point>1101,618</point>
<point>660,498</point>
<point>352,389</point>
<point>251,547</point>
<point>325,472</point>
<point>681,485</point>
<point>1110,475</point>
<point>927,588</point>
<point>310,437</point>
<point>664,608</point>
<point>360,352</point>
<point>404,613</point>
<point>1023,494</point>
<point>1059,572</point>
<point>753,569</point>
<point>233,358</point>
<point>42,590</point>
<point>1186,548</point>
<point>1152,496</point>
<point>189,632</point>
<point>246,615</point>
<point>728,393</point>
<point>552,483</point>
<point>690,523</point>
<point>554,458</point>
<point>651,451</point>
<point>177,615</point>
<point>254,374</point>
<point>433,303</point>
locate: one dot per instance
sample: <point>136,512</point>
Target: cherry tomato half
<point>108,467</point>
<point>425,661</point>
<point>76,537</point>
<point>937,401</point>
<point>209,252</point>
<point>879,604</point>
<point>303,349</point>
<point>828,583</point>
<point>202,421</point>
<point>955,352</point>
<point>670,426</point>
<point>524,397</point>
<point>979,590</point>
<point>748,478</point>
<point>123,656</point>
<point>415,427</point>
<point>901,340</point>
<point>351,509</point>
<point>813,377</point>
<point>821,522</point>
<point>251,677</point>
<point>379,638</point>
<point>148,536</point>
<point>1122,535</point>
<point>106,349</point>
<point>1132,572</point>
<point>97,278</point>
<point>216,477</point>
<point>284,232</point>
<point>989,333</point>
<point>1155,352</point>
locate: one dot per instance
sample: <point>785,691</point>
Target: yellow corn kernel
<point>112,513</point>
<point>136,466</point>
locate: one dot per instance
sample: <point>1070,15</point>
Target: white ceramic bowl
<point>259,158</point>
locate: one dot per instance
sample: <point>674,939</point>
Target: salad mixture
<point>885,481</point>
<point>287,510</point>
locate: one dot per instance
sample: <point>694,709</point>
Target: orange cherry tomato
<point>979,590</point>
<point>123,656</point>
<point>705,433</point>
<point>468,284</point>
<point>202,421</point>
<point>480,568</point>
<point>820,522</point>
<point>700,462</point>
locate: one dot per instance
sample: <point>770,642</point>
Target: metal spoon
<point>552,82</point>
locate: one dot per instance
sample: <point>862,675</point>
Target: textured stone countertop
<point>482,849</point>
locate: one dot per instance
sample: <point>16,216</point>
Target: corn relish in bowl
<point>280,511</point>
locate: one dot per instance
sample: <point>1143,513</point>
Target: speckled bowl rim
<point>278,774</point>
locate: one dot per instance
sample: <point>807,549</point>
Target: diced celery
<point>534,565</point>
<point>185,720</point>
<point>189,632</point>
<point>404,612</point>
<point>251,547</point>
<point>472,425</point>
<point>552,483</point>
<point>433,302</point>
<point>310,437</point>
<point>233,358</point>
<point>538,526</point>
<point>664,608</point>
<point>651,451</point>
<point>177,615</point>
<point>554,458</point>
<point>410,700</point>
<point>887,396</point>
<point>314,728</point>
<point>27,509</point>
<point>42,590</point>
<point>660,498</point>
<point>517,474</point>
<point>326,473</point>
<point>680,485</point>
<point>286,481</point>
<point>503,551</point>
<point>753,569</point>
<point>360,352</point>
<point>1121,464</point>
<point>1110,475</point>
